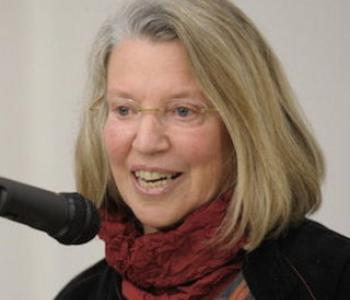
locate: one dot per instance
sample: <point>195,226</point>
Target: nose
<point>150,136</point>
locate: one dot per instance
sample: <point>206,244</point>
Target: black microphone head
<point>84,221</point>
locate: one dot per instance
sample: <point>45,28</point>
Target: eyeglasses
<point>177,112</point>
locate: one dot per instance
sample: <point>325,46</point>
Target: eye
<point>183,111</point>
<point>122,110</point>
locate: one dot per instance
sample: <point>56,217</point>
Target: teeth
<point>146,175</point>
<point>152,180</point>
<point>152,185</point>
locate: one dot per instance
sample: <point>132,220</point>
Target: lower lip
<point>156,191</point>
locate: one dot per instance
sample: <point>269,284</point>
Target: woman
<point>194,149</point>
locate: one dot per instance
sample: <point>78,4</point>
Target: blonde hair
<point>278,165</point>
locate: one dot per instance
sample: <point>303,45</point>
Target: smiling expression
<point>162,173</point>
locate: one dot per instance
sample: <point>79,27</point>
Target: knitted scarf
<point>171,265</point>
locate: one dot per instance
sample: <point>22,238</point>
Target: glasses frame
<point>95,106</point>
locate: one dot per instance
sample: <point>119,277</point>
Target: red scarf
<point>172,265</point>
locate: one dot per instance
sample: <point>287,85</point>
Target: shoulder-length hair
<point>277,164</point>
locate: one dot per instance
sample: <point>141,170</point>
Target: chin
<point>150,227</point>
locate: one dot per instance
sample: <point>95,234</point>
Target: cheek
<point>116,141</point>
<point>204,149</point>
<point>218,152</point>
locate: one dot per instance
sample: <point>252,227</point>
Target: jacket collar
<point>269,272</point>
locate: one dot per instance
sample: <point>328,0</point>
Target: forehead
<point>142,67</point>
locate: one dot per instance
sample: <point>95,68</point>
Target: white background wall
<point>43,50</point>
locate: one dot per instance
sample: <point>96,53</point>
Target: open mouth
<point>151,180</point>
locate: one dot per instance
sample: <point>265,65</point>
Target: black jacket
<point>308,262</point>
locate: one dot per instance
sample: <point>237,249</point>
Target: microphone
<point>68,217</point>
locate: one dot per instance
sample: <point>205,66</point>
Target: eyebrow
<point>118,92</point>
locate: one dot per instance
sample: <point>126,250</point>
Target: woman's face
<point>164,168</point>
